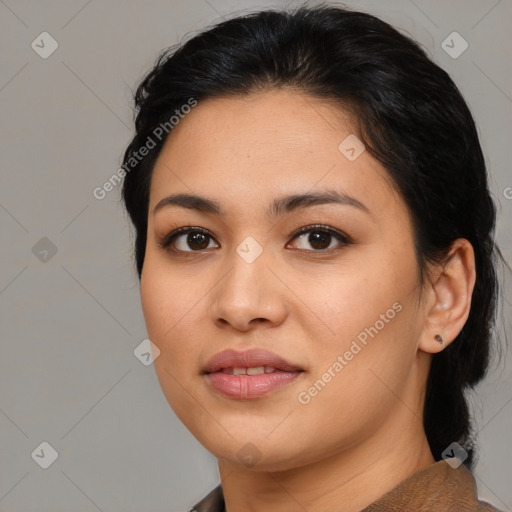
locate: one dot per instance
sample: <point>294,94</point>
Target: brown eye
<point>316,238</point>
<point>320,238</point>
<point>197,241</point>
<point>187,240</point>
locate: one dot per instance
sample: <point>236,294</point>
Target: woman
<point>314,242</point>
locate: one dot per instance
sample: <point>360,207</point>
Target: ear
<point>448,297</point>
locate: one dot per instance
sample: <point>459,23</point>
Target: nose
<point>249,295</point>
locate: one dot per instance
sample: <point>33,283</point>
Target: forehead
<point>260,122</point>
<point>263,145</point>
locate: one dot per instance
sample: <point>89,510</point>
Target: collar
<point>439,487</point>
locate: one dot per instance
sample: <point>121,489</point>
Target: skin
<point>362,434</point>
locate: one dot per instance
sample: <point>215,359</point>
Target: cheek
<point>358,298</point>
<point>175,318</point>
<point>164,310</point>
<point>370,345</point>
<point>165,299</point>
<point>159,305</point>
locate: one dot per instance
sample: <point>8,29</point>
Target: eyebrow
<point>277,208</point>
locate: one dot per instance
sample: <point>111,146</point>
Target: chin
<point>259,455</point>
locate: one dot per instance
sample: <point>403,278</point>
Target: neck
<point>347,481</point>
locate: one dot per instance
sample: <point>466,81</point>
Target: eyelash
<point>344,239</point>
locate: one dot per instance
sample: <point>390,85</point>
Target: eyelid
<point>342,237</point>
<point>168,239</point>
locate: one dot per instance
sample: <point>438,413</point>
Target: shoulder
<point>435,488</point>
<point>483,506</point>
<point>212,502</point>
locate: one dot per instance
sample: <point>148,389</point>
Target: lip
<point>248,359</point>
<point>246,387</point>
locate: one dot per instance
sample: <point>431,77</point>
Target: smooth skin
<point>362,433</point>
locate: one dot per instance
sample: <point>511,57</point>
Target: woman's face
<point>342,312</point>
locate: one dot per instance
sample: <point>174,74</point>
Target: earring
<point>439,338</point>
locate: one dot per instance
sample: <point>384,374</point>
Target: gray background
<point>69,325</point>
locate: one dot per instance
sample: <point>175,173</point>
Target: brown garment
<point>437,488</point>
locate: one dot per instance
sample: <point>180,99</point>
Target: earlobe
<point>439,339</point>
<point>450,292</point>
